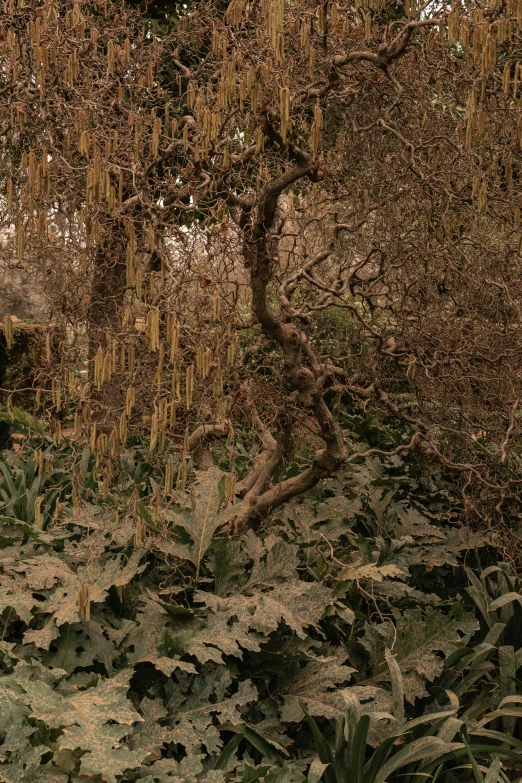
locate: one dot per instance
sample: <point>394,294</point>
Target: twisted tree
<point>270,213</point>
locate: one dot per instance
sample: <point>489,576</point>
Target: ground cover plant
<point>356,636</point>
<point>240,216</point>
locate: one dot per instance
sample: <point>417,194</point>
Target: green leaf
<point>316,686</point>
<point>227,753</point>
<point>42,637</point>
<point>12,706</point>
<point>360,736</point>
<point>503,600</point>
<point>15,596</point>
<point>209,700</point>
<point>13,700</point>
<point>421,637</point>
<point>202,523</point>
<point>261,744</point>
<point>474,766</point>
<point>397,684</point>
<point>94,721</point>
<point>153,732</point>
<point>298,604</point>
<point>493,773</point>
<point>316,771</point>
<point>323,749</point>
<point>280,563</point>
<point>416,750</point>
<point>228,566</point>
<point>53,575</point>
<point>507,666</point>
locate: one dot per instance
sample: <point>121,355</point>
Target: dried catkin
<point>182,477</point>
<point>284,110</point>
<point>154,430</point>
<point>159,367</point>
<point>84,603</point>
<point>153,329</point>
<point>169,476</point>
<point>172,336</point>
<point>139,532</point>
<point>230,487</point>
<point>123,428</point>
<point>189,385</point>
<point>317,125</point>
<point>482,198</point>
<point>8,330</point>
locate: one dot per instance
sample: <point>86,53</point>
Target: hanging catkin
<point>189,385</point>
<point>139,533</point>
<point>153,430</point>
<point>367,26</point>
<point>230,487</point>
<point>234,13</point>
<point>482,198</point>
<point>284,110</point>
<point>159,367</point>
<point>172,336</point>
<point>123,428</point>
<point>153,329</point>
<point>317,125</point>
<point>169,476</point>
<point>84,603</point>
<point>506,79</point>
<point>8,330</point>
<point>130,266</point>
<point>182,477</point>
<point>216,306</point>
<point>453,26</point>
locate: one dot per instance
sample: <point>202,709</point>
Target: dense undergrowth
<point>363,635</point>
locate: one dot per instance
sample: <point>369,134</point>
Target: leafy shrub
<point>344,642</point>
